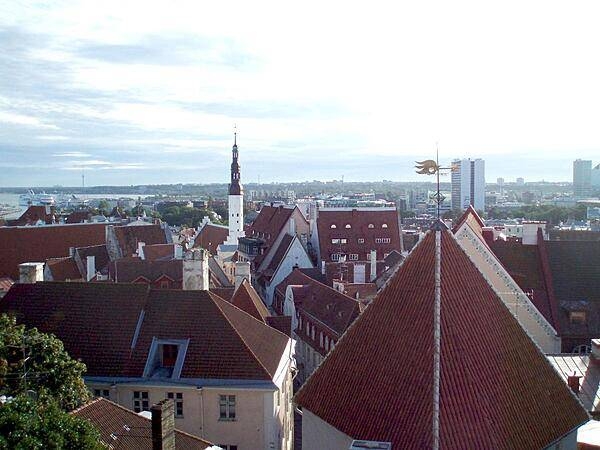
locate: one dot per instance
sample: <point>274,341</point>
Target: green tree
<point>26,424</point>
<point>34,361</point>
<point>103,207</point>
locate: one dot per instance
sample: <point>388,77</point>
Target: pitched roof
<point>63,269</point>
<point>33,214</point>
<point>246,298</point>
<point>268,226</point>
<point>210,237</point>
<point>367,224</point>
<point>278,256</point>
<point>126,270</point>
<point>78,216</point>
<point>123,429</point>
<point>128,236</point>
<point>37,244</point>
<point>334,309</point>
<point>575,269</point>
<point>588,369</point>
<point>225,342</point>
<point>497,390</point>
<point>217,275</point>
<point>226,293</point>
<point>159,251</point>
<point>97,323</point>
<point>99,252</point>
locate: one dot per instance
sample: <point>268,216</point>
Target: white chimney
<point>373,259</point>
<point>140,249</point>
<point>242,271</point>
<point>195,270</point>
<point>91,267</point>
<point>530,231</point>
<point>31,272</point>
<point>178,252</point>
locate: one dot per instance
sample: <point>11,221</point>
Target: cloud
<point>21,119</point>
<point>72,155</point>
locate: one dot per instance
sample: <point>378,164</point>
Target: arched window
<point>348,225</point>
<point>371,225</point>
<point>384,225</point>
<point>333,225</point>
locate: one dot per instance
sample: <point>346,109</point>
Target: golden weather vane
<point>431,167</point>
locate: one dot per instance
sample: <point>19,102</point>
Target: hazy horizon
<point>138,93</point>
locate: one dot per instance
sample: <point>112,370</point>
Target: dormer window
<point>333,225</point>
<point>371,225</point>
<point>348,226</point>
<point>165,358</point>
<point>578,317</point>
<point>384,225</point>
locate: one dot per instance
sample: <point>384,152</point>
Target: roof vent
<point>370,445</point>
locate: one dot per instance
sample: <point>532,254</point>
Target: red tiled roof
<point>159,251</point>
<point>37,244</point>
<point>97,323</point>
<point>127,270</point>
<point>64,269</point>
<point>247,299</point>
<point>225,342</point>
<point>280,253</point>
<point>210,237</point>
<point>132,431</point>
<point>99,252</point>
<point>33,214</point>
<point>226,293</point>
<point>130,235</point>
<point>332,308</point>
<point>78,216</point>
<point>359,222</point>
<point>268,226</point>
<point>497,389</point>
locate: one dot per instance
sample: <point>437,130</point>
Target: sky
<point>149,92</point>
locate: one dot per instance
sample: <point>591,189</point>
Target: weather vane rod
<point>431,167</point>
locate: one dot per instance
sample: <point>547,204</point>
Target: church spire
<point>235,187</point>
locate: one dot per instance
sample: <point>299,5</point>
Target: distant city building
<point>500,181</point>
<point>520,181</point>
<point>468,184</point>
<point>582,178</point>
<point>596,176</point>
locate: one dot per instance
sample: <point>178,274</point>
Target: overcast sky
<point>148,92</point>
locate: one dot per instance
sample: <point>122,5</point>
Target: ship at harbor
<point>39,199</point>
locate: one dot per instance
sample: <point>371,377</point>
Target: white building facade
<point>468,184</point>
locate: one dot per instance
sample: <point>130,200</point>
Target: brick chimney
<point>31,272</point>
<point>573,382</point>
<point>163,425</point>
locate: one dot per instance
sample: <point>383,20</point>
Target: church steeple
<point>235,187</point>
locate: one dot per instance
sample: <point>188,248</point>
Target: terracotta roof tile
<point>78,217</point>
<point>64,269</point>
<point>132,431</point>
<point>159,251</point>
<point>334,309</point>
<point>248,300</point>
<point>127,270</point>
<point>99,252</point>
<point>37,244</point>
<point>130,235</point>
<point>356,224</point>
<point>33,214</point>
<point>280,253</point>
<point>497,389</point>
<point>210,237</point>
<point>226,293</point>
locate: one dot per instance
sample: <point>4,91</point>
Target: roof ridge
<point>216,301</point>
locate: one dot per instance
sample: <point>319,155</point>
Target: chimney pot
<point>573,382</point>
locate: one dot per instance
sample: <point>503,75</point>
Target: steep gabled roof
<point>210,237</point>
<point>129,236</point>
<point>248,300</point>
<point>95,321</point>
<point>159,251</point>
<point>126,270</point>
<point>64,269</point>
<point>269,224</point>
<point>332,308</point>
<point>279,254</point>
<point>37,244</point>
<point>100,254</point>
<point>497,390</point>
<point>123,429</point>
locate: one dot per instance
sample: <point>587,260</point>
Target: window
<point>353,257</point>
<point>101,393</point>
<point>577,317</point>
<point>335,241</point>
<point>140,401</point>
<point>348,225</point>
<point>164,284</point>
<point>307,328</point>
<point>312,333</point>
<point>384,225</point>
<point>326,343</point>
<point>333,225</point>
<point>227,407</point>
<point>169,355</point>
<point>371,225</point>
<point>382,240</point>
<point>361,240</point>
<point>321,338</point>
<point>177,398</point>
<point>335,257</point>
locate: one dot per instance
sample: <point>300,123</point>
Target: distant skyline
<point>137,93</point>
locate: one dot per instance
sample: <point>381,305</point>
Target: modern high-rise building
<point>582,178</point>
<point>596,177</point>
<point>468,184</point>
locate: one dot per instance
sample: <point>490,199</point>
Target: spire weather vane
<point>431,167</point>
